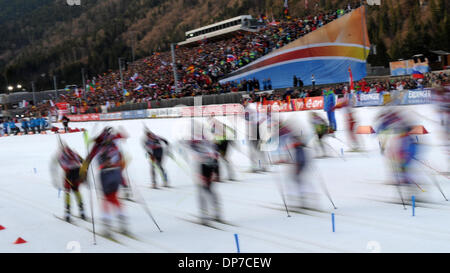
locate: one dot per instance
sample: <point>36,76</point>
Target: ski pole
<point>91,201</point>
<point>92,212</point>
<point>324,187</point>
<point>438,186</point>
<point>398,184</point>
<point>144,204</point>
<point>334,150</point>
<point>280,188</point>
<point>426,165</point>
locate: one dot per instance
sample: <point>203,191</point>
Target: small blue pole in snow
<point>236,238</point>
<point>417,139</point>
<point>34,169</point>
<point>59,192</point>
<point>342,151</point>
<point>332,221</point>
<point>413,205</point>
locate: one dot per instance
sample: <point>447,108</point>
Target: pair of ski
<point>112,236</point>
<point>214,224</point>
<point>296,210</point>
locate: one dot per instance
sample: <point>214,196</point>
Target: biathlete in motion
<point>111,164</point>
<point>347,105</point>
<point>321,129</point>
<point>70,161</point>
<point>154,146</point>
<point>205,153</point>
<point>254,120</point>
<point>400,151</point>
<point>297,146</point>
<point>223,136</point>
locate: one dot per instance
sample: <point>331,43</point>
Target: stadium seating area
<point>200,67</point>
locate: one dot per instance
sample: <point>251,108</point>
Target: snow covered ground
<point>357,184</point>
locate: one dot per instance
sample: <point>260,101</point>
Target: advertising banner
<point>135,114</point>
<point>369,99</point>
<point>416,96</point>
<point>84,117</point>
<point>111,116</point>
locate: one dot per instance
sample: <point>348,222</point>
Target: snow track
<point>253,205</point>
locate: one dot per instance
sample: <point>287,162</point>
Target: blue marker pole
<point>34,169</point>
<point>342,151</point>
<point>332,221</point>
<point>236,238</point>
<point>59,192</point>
<point>413,205</point>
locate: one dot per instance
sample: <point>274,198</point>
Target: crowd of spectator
<point>429,80</point>
<point>198,67</point>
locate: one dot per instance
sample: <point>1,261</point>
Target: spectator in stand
<point>300,83</point>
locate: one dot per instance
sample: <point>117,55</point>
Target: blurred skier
<point>254,119</point>
<point>205,153</point>
<point>347,105</point>
<point>442,100</point>
<point>321,129</point>
<point>400,151</point>
<point>297,146</point>
<point>223,136</point>
<point>111,163</point>
<point>70,162</point>
<point>390,121</point>
<point>153,144</point>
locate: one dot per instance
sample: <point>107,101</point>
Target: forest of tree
<point>42,38</point>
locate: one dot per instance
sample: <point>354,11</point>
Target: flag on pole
<point>352,86</point>
<point>230,58</point>
<point>24,103</point>
<point>135,76</point>
<point>139,88</point>
<point>417,75</point>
